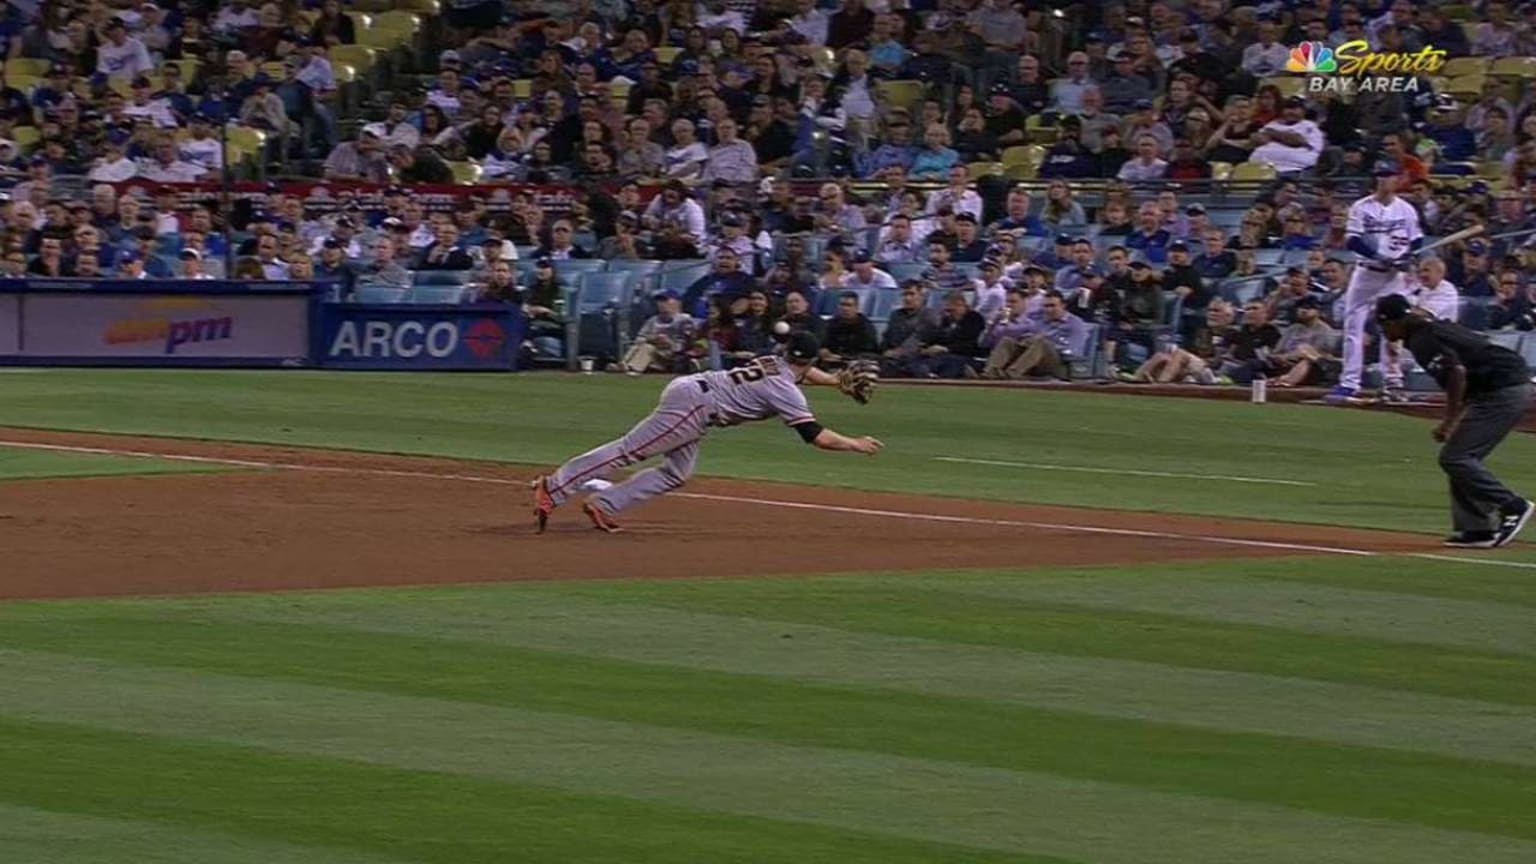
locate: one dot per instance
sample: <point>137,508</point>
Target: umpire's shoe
<point>1510,523</point>
<point>543,504</point>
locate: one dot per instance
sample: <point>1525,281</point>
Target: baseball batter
<point>1383,231</point>
<point>764,388</point>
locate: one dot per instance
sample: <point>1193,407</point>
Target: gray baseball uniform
<point>688,406</point>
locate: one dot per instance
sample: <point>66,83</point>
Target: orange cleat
<point>600,520</point>
<point>543,504</point>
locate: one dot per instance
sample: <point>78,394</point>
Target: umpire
<point>1487,390</point>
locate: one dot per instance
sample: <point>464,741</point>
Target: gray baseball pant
<point>681,418</point>
<point>1477,497</point>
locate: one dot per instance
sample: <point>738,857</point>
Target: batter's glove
<point>858,380</point>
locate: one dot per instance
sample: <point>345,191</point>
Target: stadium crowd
<point>960,187</point>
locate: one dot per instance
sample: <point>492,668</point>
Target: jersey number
<point>746,374</point>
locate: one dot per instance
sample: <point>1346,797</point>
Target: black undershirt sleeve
<point>808,430</point>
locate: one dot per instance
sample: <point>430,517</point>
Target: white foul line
<point>795,505</point>
<point>1127,472</point>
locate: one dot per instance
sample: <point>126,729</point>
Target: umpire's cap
<point>802,347</point>
<point>1393,307</point>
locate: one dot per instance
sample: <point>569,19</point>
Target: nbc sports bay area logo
<point>1354,68</point>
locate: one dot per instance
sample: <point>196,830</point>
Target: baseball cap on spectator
<point>128,256</point>
<point>1477,247</point>
<point>345,222</point>
<point>1139,264</point>
<point>449,56</point>
<point>373,130</point>
<point>1064,240</point>
<point>1036,268</point>
<point>1143,105</point>
<point>664,294</point>
<point>1310,301</point>
<point>862,257</point>
<point>394,224</point>
<point>1094,36</point>
<point>1178,246</point>
<point>1194,209</point>
<point>1000,89</point>
<point>190,255</point>
<point>1385,168</point>
<point>1116,54</point>
<point>991,264</point>
<point>331,243</point>
<point>1294,102</point>
<point>733,221</point>
<point>964,216</point>
<point>544,261</point>
<point>1295,270</point>
<point>1087,273</point>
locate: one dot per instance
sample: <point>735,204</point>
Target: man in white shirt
<point>958,194</point>
<point>674,209</point>
<point>192,265</point>
<point>396,129</point>
<point>810,22</point>
<point>1267,56</point>
<point>235,15</point>
<point>114,166</point>
<point>1292,142</point>
<point>121,55</point>
<point>731,159</point>
<point>200,148</point>
<point>272,267</point>
<point>143,104</point>
<point>1146,165</point>
<point>864,274</point>
<point>166,167</point>
<point>1067,93</point>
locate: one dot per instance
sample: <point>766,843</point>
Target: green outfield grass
<point>1369,469</point>
<point>1124,716</point>
<point>1308,710</point>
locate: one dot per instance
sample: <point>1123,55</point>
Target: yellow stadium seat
<point>1469,87</point>
<point>360,21</point>
<point>1024,154</point>
<point>24,83</point>
<point>345,73</point>
<point>26,136</point>
<point>1252,172</point>
<point>26,66</point>
<point>1288,85</point>
<point>665,54</point>
<point>1036,132</point>
<point>1022,171</point>
<point>245,139</point>
<point>359,57</point>
<point>465,173</point>
<point>902,94</point>
<point>398,20</point>
<point>1221,171</point>
<point>985,169</point>
<point>1459,66</point>
<point>275,70</point>
<point>425,7</point>
<point>522,88</point>
<point>382,39</point>
<point>1514,67</point>
<point>618,92</point>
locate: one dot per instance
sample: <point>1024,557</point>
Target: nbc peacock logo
<point>1311,57</point>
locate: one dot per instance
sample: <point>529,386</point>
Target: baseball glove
<point>858,380</point>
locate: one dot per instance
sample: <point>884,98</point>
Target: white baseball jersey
<point>1388,228</point>
<point>1442,301</point>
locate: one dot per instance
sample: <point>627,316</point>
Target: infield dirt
<point>326,519</point>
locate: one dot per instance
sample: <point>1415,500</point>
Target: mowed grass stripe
<point>1342,780</point>
<point>895,607</point>
<point>229,804</point>
<point>29,836</point>
<point>1503,585</point>
<point>1233,597</point>
<point>916,799</point>
<point>989,664</point>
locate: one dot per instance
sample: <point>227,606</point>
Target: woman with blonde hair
<point>1061,210</point>
<point>935,158</point>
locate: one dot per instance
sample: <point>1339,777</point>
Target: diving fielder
<point>1487,391</point>
<point>1383,231</point>
<point>689,406</point>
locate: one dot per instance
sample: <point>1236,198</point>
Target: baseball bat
<point>1463,234</point>
<point>1508,234</point>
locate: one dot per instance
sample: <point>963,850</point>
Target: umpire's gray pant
<point>1477,497</point>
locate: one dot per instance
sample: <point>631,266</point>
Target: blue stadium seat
<point>1528,351</point>
<point>1268,257</point>
<point>568,269</point>
<point>1510,339</point>
<point>903,271</point>
<point>379,294</point>
<point>601,301</point>
<point>1473,312</point>
<point>445,278</point>
<point>1240,291</point>
<point>885,303</point>
<point>679,278</point>
<point>438,294</point>
<point>638,266</point>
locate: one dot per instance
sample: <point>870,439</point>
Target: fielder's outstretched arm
<point>829,440</point>
<point>817,376</point>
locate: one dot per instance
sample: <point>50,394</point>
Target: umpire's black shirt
<point>1441,345</point>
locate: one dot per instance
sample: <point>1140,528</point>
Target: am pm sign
<point>396,337</point>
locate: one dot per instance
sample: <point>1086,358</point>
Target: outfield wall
<point>74,322</point>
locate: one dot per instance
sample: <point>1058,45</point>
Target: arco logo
<point>1311,57</point>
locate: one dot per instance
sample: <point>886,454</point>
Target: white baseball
<point>781,329</point>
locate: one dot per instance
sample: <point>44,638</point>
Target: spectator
<point>676,222</point>
<point>1146,166</point>
<point>544,305</point>
<point>1308,350</point>
<point>1190,362</point>
<point>272,267</point>
<point>1048,344</point>
<point>1149,237</point>
<point>130,266</point>
<point>865,275</point>
<point>725,281</point>
<point>1215,260</point>
<point>687,156</point>
<point>1510,308</point>
<point>941,272</point>
<point>897,245</point>
<point>191,265</point>
<point>1183,280</point>
<point>731,160</point>
<point>991,289</point>
<point>1067,92</point>
<point>660,342</point>
<point>1291,143</point>
<point>969,248</point>
<point>848,336</point>
<point>120,55</point>
<point>1070,156</point>
<point>1267,56</point>
<point>951,347</point>
<point>561,244</point>
<point>797,314</point>
<point>934,160</point>
<point>1245,354</point>
<point>384,268</point>
<point>362,159</point>
<point>50,259</point>
<point>445,253</point>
